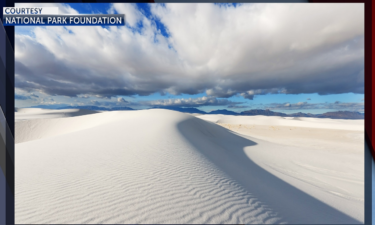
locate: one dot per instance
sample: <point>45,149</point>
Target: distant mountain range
<point>253,112</point>
<point>224,112</point>
<point>342,115</point>
<point>181,109</point>
<point>267,112</point>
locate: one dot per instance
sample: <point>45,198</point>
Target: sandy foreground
<point>162,166</point>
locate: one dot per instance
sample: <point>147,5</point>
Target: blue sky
<point>197,55</point>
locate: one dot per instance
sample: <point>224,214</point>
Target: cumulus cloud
<point>191,102</point>
<point>122,100</point>
<point>249,50</point>
<point>250,94</point>
<point>63,8</point>
<point>350,106</point>
<point>132,15</point>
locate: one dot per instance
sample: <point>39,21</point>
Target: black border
<point>7,107</point>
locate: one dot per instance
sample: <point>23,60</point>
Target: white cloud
<point>122,100</point>
<point>132,15</point>
<point>223,51</point>
<point>63,8</point>
<point>191,102</point>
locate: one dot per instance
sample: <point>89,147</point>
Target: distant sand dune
<point>323,123</point>
<point>36,113</point>
<point>57,123</point>
<point>161,166</point>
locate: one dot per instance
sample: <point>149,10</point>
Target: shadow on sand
<point>226,151</point>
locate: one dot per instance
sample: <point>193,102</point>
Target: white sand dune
<point>29,129</point>
<point>161,166</point>
<point>36,113</point>
<point>288,121</point>
<point>315,133</point>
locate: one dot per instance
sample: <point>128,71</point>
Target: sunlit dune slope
<point>161,166</point>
